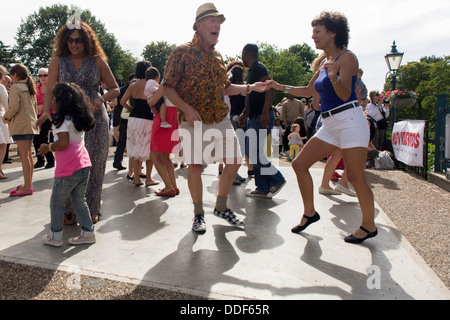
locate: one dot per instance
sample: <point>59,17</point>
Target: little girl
<point>295,141</point>
<point>152,76</point>
<point>73,117</point>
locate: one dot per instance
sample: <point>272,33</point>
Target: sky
<point>420,28</point>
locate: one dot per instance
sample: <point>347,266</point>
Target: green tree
<point>428,77</point>
<point>35,36</point>
<point>36,33</point>
<point>6,55</point>
<point>304,53</point>
<point>158,53</point>
<point>288,66</point>
<point>128,66</point>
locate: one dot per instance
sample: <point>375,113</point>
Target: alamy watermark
<point>374,279</point>
<point>207,146</point>
<point>74,280</point>
<point>74,19</point>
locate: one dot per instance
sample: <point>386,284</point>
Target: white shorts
<point>346,130</point>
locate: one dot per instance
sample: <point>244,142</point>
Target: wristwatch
<point>288,89</point>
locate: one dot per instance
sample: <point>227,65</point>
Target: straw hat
<point>206,10</point>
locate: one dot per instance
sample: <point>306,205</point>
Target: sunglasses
<point>43,75</point>
<point>76,40</point>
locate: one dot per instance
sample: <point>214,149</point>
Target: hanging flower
<point>400,94</point>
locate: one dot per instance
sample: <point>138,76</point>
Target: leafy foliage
<point>157,53</point>
<point>6,56</point>
<point>289,66</point>
<point>429,77</point>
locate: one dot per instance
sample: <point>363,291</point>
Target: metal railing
<point>442,140</point>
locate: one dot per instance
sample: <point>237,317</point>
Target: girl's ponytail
<point>31,86</point>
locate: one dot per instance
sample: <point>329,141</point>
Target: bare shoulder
<point>101,63</point>
<point>349,56</point>
<point>350,60</point>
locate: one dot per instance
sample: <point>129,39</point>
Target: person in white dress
<point>5,138</point>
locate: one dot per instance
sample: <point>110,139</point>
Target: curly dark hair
<point>337,23</point>
<point>73,104</point>
<point>92,46</point>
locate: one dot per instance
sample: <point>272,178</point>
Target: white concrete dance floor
<point>147,240</point>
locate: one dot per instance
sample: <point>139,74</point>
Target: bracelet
<point>287,89</point>
<point>50,148</point>
<point>248,89</point>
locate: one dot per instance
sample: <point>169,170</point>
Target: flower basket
<point>403,103</point>
<point>401,99</point>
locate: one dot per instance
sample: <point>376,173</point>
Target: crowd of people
<point>199,96</point>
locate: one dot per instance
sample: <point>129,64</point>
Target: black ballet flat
<point>352,239</point>
<point>310,220</point>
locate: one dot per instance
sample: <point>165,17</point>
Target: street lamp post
<point>393,61</point>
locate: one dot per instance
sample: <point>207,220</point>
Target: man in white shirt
<point>378,110</point>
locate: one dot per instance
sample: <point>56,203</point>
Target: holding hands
<point>272,84</point>
<point>259,87</point>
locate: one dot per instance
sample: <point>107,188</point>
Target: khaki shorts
<point>206,144</point>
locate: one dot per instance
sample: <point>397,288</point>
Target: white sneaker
<point>84,238</point>
<point>345,190</point>
<point>199,224</point>
<point>329,192</point>
<point>165,125</point>
<point>53,239</point>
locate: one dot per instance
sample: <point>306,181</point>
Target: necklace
<point>338,53</point>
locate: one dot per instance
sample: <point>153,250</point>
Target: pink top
<point>150,88</point>
<point>75,157</point>
<point>40,99</point>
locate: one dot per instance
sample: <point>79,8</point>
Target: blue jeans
<point>75,188</point>
<point>266,174</point>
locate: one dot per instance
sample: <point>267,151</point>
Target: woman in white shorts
<point>344,125</point>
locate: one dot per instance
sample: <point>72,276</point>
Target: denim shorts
<point>23,137</point>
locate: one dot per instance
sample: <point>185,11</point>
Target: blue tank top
<point>328,98</point>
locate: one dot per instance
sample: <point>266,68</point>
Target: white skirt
<point>5,137</point>
<point>139,137</point>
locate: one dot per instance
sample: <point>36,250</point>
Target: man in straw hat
<point>196,82</point>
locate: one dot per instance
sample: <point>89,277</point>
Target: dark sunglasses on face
<point>43,76</point>
<point>76,40</point>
